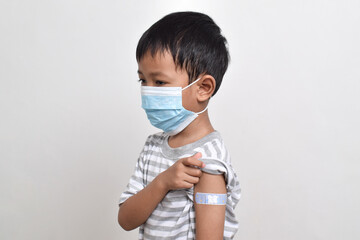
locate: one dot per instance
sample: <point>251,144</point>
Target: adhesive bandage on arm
<point>210,198</point>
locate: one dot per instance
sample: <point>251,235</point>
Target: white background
<point>71,126</point>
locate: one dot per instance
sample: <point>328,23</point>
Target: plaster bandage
<point>210,198</point>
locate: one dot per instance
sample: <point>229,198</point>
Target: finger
<point>193,171</point>
<point>191,179</point>
<point>194,161</point>
<point>186,184</point>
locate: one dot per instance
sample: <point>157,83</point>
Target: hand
<point>183,173</point>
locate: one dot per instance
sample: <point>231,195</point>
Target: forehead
<point>160,62</point>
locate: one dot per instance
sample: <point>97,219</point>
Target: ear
<point>206,87</point>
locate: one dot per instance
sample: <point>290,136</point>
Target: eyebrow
<point>154,74</point>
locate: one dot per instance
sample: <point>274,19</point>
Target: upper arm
<point>210,219</point>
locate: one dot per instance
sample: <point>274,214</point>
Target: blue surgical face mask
<point>164,109</point>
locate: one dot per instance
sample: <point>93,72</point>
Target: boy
<point>184,186</point>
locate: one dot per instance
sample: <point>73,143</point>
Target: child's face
<point>160,71</point>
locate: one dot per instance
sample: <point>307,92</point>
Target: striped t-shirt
<point>174,216</point>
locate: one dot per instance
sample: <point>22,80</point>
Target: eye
<point>142,81</point>
<point>159,82</point>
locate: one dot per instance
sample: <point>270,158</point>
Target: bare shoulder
<point>211,183</point>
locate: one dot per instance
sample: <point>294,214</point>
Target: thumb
<point>197,156</point>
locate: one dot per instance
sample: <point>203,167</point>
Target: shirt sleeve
<point>137,180</point>
<point>216,167</point>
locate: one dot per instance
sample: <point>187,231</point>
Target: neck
<point>196,130</point>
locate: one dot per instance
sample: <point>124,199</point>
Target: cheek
<point>188,100</point>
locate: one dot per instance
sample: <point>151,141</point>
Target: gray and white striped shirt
<point>174,216</point>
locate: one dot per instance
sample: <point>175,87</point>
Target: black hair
<point>194,41</point>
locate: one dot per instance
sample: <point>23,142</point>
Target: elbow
<point>123,223</point>
<point>125,226</point>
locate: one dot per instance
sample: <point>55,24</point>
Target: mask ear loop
<point>191,83</point>
<point>190,86</point>
<point>198,113</point>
